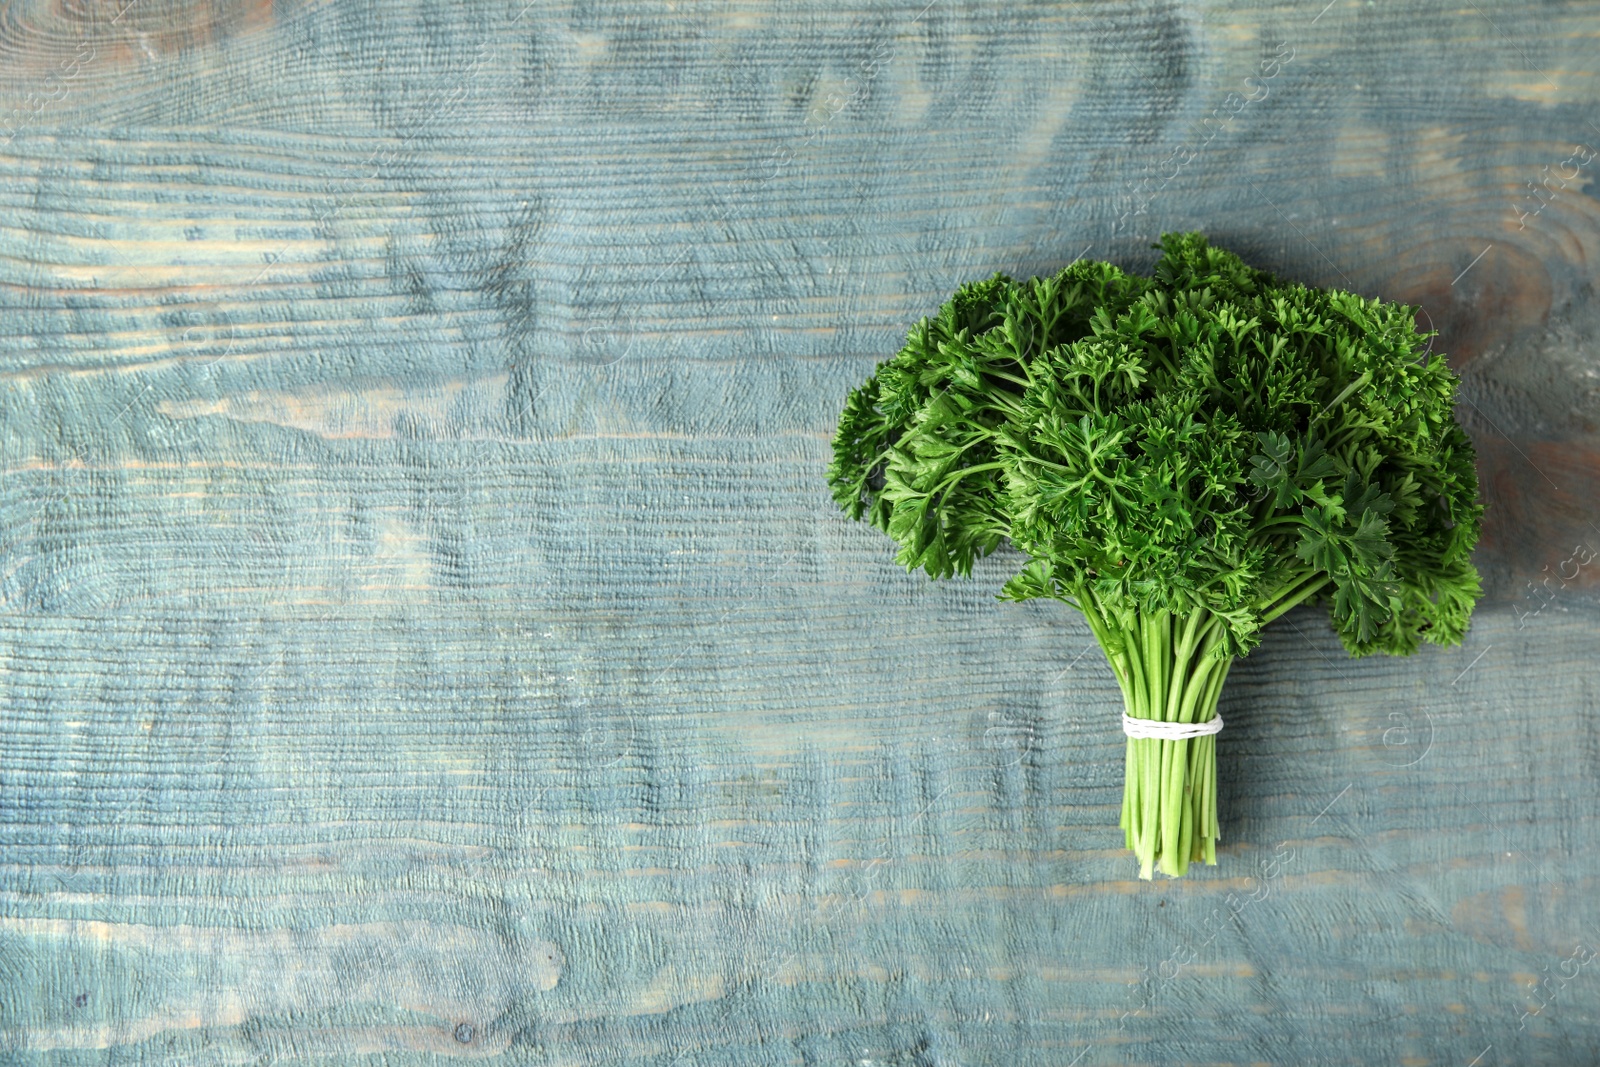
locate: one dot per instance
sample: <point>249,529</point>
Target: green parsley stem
<point>1169,794</point>
<point>962,473</point>
<point>1310,587</point>
<point>1278,521</point>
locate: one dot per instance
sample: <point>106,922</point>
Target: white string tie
<point>1169,731</point>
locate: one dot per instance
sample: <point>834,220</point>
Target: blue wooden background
<point>425,634</point>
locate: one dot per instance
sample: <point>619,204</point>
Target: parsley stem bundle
<point>1169,798</point>
<point>1182,458</point>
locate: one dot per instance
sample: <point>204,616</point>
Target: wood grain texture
<point>425,635</point>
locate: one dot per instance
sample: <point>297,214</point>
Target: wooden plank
<point>426,634</point>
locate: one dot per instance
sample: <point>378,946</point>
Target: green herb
<point>1183,458</point>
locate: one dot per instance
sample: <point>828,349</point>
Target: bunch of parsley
<point>1182,458</point>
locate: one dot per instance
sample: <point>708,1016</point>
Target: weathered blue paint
<point>424,632</point>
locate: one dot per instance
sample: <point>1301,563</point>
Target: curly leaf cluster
<point>1208,437</point>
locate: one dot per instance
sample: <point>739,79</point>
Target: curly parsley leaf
<point>1208,438</point>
